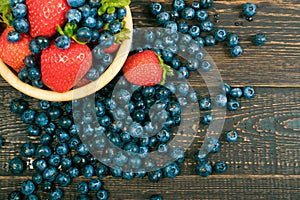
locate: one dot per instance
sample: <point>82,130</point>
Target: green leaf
<point>70,29</point>
<point>74,37</point>
<point>6,12</point>
<point>167,70</point>
<point>59,30</point>
<point>109,5</point>
<point>111,10</point>
<point>122,36</point>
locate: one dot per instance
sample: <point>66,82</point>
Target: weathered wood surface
<point>265,162</point>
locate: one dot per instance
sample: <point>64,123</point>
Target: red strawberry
<point>112,49</point>
<point>62,69</point>
<point>45,15</point>
<point>145,69</point>
<point>13,54</point>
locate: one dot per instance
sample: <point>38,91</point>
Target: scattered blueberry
<point>260,39</point>
<point>231,136</point>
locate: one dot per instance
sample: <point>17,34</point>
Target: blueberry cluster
<point>20,22</point>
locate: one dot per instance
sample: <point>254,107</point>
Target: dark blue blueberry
<point>50,174</point>
<point>220,100</point>
<point>38,83</point>
<point>73,172</point>
<point>152,141</point>
<point>149,36</point>
<point>183,90</point>
<point>206,65</point>
<point>28,149</point>
<point>201,15</point>
<point>175,63</point>
<point>15,195</point>
<point>163,17</point>
<point>236,51</point>
<point>16,166</point>
<point>56,194</point>
<point>206,3</point>
<point>128,175</point>
<point>62,149</point>
<point>205,104</point>
<point>65,122</point>
<point>54,112</point>
<point>95,184</point>
<point>95,35</point>
<point>30,61</point>
<point>66,163</point>
<point>220,34</point>
<point>163,136</point>
<point>171,170</point>
<point>62,135</point>
<point>102,195</point>
<point>232,39</point>
<point>63,42</point>
<point>89,22</point>
<point>33,130</point>
<point>106,39</point>
<point>83,188</point>
<point>188,13</point>
<point>233,105</point>
<point>220,167</point>
<point>18,106</point>
<point>236,92</point>
<point>162,148</point>
<point>183,73</point>
<point>155,176</point>
<point>206,119</point>
<point>249,9</point>
<point>206,26</point>
<point>204,169</point>
<point>156,8</point>
<point>167,55</point>
<point>174,15</point>
<point>54,160</point>
<point>212,145</point>
<point>76,3</point>
<point>99,23</point>
<point>88,171</point>
<point>46,186</point>
<point>195,5</point>
<point>32,197</point>
<point>109,17</point>
<point>34,47</point>
<point>194,31</point>
<point>260,39</point>
<point>201,156</point>
<point>156,197</point>
<point>178,5</point>
<point>121,13</point>
<point>201,42</point>
<point>232,136</point>
<point>63,179</point>
<point>210,40</point>
<point>174,107</point>
<point>248,92</point>
<point>84,34</point>
<point>28,116</point>
<point>42,42</point>
<point>27,187</point>
<point>13,36</point>
<point>21,25</point>
<point>141,173</point>
<point>34,73</point>
<point>37,178</point>
<point>183,27</point>
<point>115,27</point>
<point>41,119</point>
<point>116,171</point>
<point>101,171</point>
<point>39,164</point>
<point>74,16</point>
<point>226,88</point>
<point>171,27</point>
<point>94,3</point>
<point>44,104</point>
<point>191,64</point>
<point>23,75</point>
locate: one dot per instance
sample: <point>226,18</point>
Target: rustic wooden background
<point>265,162</point>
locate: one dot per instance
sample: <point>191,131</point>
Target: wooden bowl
<point>10,76</point>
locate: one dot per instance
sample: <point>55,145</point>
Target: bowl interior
<point>79,92</point>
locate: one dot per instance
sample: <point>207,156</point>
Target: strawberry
<point>146,69</point>
<point>62,69</point>
<point>112,49</point>
<point>13,54</point>
<point>45,15</point>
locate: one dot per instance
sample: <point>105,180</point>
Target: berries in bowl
<point>63,50</point>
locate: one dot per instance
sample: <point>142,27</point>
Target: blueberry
<point>226,88</point>
<point>206,65</point>
<point>212,145</point>
<point>156,197</point>
<point>171,170</point>
<point>174,15</point>
<point>121,13</point>
<point>62,135</point>
<point>37,178</point>
<point>163,136</point>
<point>183,27</point>
<point>39,164</point>
<point>34,73</point>
<point>193,97</point>
<point>41,119</point>
<point>102,195</point>
<point>128,175</point>
<point>162,148</point>
<point>201,42</point>
<point>231,136</point>
<point>34,47</point>
<point>155,176</point>
<point>248,92</point>
<point>106,39</point>
<point>201,156</point>
<point>249,9</point>
<point>220,34</point>
<point>73,172</point>
<point>220,167</point>
<point>171,27</point>
<point>23,75</point>
<point>65,122</point>
<point>232,39</point>
<point>233,105</point>
<point>178,5</point>
<point>33,130</point>
<point>195,5</point>
<point>206,3</point>
<point>63,42</point>
<point>201,15</point>
<point>206,26</point>
<point>82,187</point>
<point>50,174</point>
<point>259,39</point>
<point>38,83</point>
<point>220,100</point>
<point>210,40</point>
<point>88,171</point>
<point>21,25</point>
<point>99,23</point>
<point>16,166</point>
<point>13,36</point>
<point>54,160</point>
<point>42,42</point>
<point>30,61</point>
<point>15,195</point>
<point>46,186</point>
<point>194,31</point>
<point>74,16</point>
<point>28,149</point>
<point>101,171</point>
<point>84,34</point>
<point>32,197</point>
<point>206,119</point>
<point>204,169</point>
<point>141,173</point>
<point>156,8</point>
<point>28,116</point>
<point>66,163</point>
<point>109,17</point>
<point>115,27</point>
<point>162,17</point>
<point>27,187</point>
<point>54,112</point>
<point>56,194</point>
<point>236,51</point>
<point>94,3</point>
<point>62,149</point>
<point>236,92</point>
<point>188,13</point>
<point>95,184</point>
<point>205,104</point>
<point>63,179</point>
<point>76,3</point>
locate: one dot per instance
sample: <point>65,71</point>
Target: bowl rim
<point>9,76</point>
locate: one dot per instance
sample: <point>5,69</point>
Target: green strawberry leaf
<point>60,30</point>
<point>122,36</point>
<point>6,12</point>
<point>111,10</point>
<point>109,5</point>
<point>74,37</point>
<point>167,70</point>
<point>70,29</point>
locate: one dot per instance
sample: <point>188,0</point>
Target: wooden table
<point>265,162</point>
